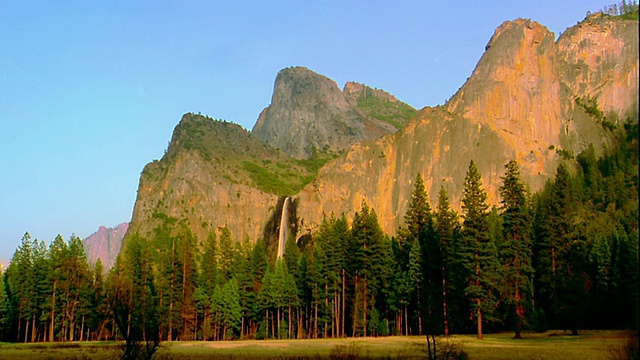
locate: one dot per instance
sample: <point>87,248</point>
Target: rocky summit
<point>309,114</point>
<point>531,98</point>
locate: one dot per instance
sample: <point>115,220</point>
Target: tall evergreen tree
<point>420,227</point>
<point>4,306</point>
<point>231,311</point>
<point>515,250</point>
<point>366,239</point>
<point>568,250</point>
<point>208,281</point>
<point>226,254</point>
<point>479,257</point>
<point>447,229</point>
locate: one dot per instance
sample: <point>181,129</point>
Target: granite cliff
<point>519,103</point>
<point>531,98</point>
<point>309,114</point>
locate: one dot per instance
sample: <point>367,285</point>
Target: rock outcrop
<point>309,113</point>
<point>105,245</point>
<point>215,173</point>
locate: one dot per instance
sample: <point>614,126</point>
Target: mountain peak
<point>309,113</point>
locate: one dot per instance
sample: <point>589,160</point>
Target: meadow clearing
<point>589,345</point>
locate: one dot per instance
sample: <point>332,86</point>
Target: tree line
<point>563,258</point>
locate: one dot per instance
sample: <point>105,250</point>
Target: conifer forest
<point>565,257</point>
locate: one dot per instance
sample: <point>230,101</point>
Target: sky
<point>90,91</point>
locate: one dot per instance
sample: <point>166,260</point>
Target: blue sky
<point>90,90</point>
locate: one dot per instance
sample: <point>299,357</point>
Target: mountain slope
<point>215,173</point>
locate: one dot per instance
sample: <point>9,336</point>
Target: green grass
<point>394,113</point>
<point>589,345</point>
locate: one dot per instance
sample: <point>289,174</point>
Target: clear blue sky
<point>90,90</point>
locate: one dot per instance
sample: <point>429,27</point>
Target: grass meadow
<point>589,345</point>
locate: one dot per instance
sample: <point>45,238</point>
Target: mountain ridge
<point>517,104</point>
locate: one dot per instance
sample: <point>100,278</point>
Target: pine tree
<point>189,277</point>
<point>479,258</point>
<point>265,300</point>
<point>515,252</point>
<point>231,311</point>
<point>208,281</point>
<point>21,286</point>
<point>225,255</point>
<point>568,249</point>
<point>133,300</point>
<point>599,262</point>
<point>447,228</point>
<point>98,310</point>
<point>625,277</point>
<point>4,306</point>
<point>420,227</point>
<point>366,238</point>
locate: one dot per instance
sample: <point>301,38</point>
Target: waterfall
<point>284,228</point>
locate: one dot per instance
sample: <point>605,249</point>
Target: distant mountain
<point>531,98</point>
<point>105,244</point>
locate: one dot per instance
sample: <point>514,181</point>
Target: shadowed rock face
<point>519,103</point>
<point>105,245</point>
<point>308,113</point>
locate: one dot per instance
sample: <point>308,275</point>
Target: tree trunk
<point>326,303</point>
<point>480,336</point>
<point>420,312</point>
<point>519,313</point>
<point>53,309</point>
<point>33,327</point>
<point>278,317</point>
<point>26,330</point>
<point>444,291</point>
<point>406,321</point>
<point>266,324</point>
<point>173,251</point>
<point>290,323</point>
<point>364,317</point>
<point>273,329</point>
<point>315,321</point>
<point>82,329</point>
<point>19,323</point>
<point>342,311</point>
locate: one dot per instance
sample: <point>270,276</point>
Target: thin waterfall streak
<point>284,227</point>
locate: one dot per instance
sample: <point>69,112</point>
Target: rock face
<point>105,245</point>
<point>530,98</point>
<point>215,173</point>
<point>309,113</point>
<point>600,61</point>
<point>518,104</point>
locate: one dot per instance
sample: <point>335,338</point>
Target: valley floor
<point>550,345</point>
